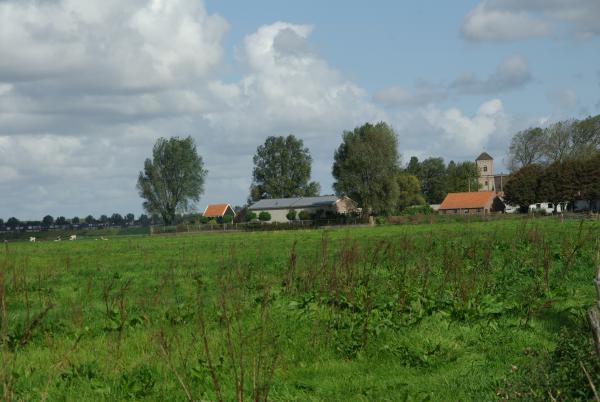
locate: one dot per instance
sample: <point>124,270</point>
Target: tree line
<point>115,219</point>
<point>565,140</point>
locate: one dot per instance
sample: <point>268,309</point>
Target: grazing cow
<point>73,237</point>
<point>103,238</point>
<point>32,239</point>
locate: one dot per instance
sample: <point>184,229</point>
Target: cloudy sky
<point>86,87</point>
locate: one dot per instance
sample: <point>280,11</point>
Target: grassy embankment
<point>425,312</point>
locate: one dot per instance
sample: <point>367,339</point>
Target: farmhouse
<point>218,211</point>
<point>481,202</point>
<point>279,207</point>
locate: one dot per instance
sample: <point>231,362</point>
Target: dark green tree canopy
<point>173,180</point>
<point>409,191</point>
<point>366,166</point>
<point>282,169</point>
<point>522,186</point>
<point>48,220</point>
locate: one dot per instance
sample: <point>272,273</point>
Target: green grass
<point>455,311</point>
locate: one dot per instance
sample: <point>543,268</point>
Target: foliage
<point>365,167</point>
<point>282,170</point>
<point>559,142</point>
<point>461,177</point>
<point>250,216</point>
<point>304,215</point>
<point>61,221</point>
<point>264,216</point>
<point>409,191</point>
<point>418,209</point>
<point>433,177</point>
<point>291,215</point>
<point>522,186</point>
<point>48,220</point>
<point>433,311</point>
<point>173,180</point>
<point>227,219</point>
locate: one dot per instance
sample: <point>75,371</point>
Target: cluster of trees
<point>568,180</point>
<point>556,164</point>
<point>115,219</point>
<point>561,141</point>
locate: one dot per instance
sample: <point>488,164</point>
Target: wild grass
<point>477,311</point>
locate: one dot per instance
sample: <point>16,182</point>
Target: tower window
<point>485,168</point>
<point>486,183</point>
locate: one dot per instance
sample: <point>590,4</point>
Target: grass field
<point>479,311</point>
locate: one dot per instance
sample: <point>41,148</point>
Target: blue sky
<point>86,88</point>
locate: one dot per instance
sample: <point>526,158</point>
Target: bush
<point>204,220</point>
<point>227,219</point>
<point>264,216</point>
<point>250,216</point>
<point>304,216</point>
<point>418,210</point>
<point>291,215</point>
<point>380,220</point>
<point>212,222</point>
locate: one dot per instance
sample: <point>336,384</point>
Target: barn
<point>279,207</point>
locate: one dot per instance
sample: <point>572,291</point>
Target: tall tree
<point>522,186</point>
<point>409,191</point>
<point>61,221</point>
<point>433,180</point>
<point>75,220</point>
<point>558,145</point>
<point>173,180</point>
<point>366,166</point>
<point>586,138</point>
<point>116,219</point>
<point>413,167</point>
<point>527,147</point>
<point>13,222</point>
<point>282,168</point>
<point>89,219</point>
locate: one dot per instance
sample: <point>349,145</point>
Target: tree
<point>366,165</point>
<point>48,220</point>
<point>522,186</point>
<point>89,219</point>
<point>586,138</point>
<point>413,167</point>
<point>103,219</point>
<point>264,216</point>
<point>130,218</point>
<point>116,219</point>
<point>409,191</point>
<point>1,222</point>
<point>13,222</point>
<point>250,216</point>
<point>75,220</point>
<point>144,220</point>
<point>291,215</point>
<point>558,145</point>
<point>61,221</point>
<point>461,177</point>
<point>527,147</point>
<point>173,180</point>
<point>282,169</point>
<point>433,180</point>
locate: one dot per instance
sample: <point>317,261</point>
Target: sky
<point>87,87</point>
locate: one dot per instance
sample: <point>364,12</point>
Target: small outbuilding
<point>480,202</point>
<point>218,211</point>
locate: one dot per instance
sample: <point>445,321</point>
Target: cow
<point>32,239</point>
<point>73,237</point>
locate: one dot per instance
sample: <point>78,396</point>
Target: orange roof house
<point>218,211</point>
<point>479,202</point>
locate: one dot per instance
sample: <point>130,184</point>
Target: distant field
<point>477,311</point>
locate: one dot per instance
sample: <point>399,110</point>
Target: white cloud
<point>508,20</point>
<point>424,93</point>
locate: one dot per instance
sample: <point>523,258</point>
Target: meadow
<point>440,312</point>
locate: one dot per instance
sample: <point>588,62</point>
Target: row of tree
<point>567,180</point>
<point>115,219</point>
<point>568,139</point>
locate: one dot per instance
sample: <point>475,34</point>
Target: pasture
<point>469,311</point>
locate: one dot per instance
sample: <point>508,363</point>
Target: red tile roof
<point>479,199</point>
<point>215,210</point>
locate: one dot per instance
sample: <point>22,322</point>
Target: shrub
<point>204,219</point>
<point>250,216</point>
<point>304,216</point>
<point>227,219</point>
<point>380,220</point>
<point>212,222</point>
<point>291,215</point>
<point>418,209</point>
<point>264,216</point>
